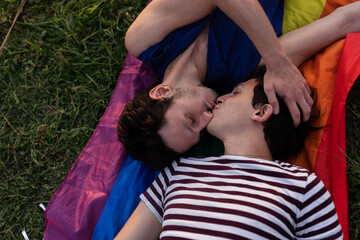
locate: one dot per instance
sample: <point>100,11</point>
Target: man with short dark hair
<point>195,43</point>
<point>168,118</point>
<point>244,194</point>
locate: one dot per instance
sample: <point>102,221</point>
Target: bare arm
<point>141,225</point>
<point>302,43</point>
<point>297,46</point>
<point>161,17</point>
<point>282,77</point>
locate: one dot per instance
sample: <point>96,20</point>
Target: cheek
<point>196,106</point>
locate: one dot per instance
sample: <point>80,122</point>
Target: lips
<point>210,106</point>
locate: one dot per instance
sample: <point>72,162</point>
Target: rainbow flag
<point>102,188</point>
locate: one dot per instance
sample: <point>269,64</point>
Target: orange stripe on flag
<point>320,72</point>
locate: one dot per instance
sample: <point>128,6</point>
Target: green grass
<point>353,159</point>
<point>57,73</point>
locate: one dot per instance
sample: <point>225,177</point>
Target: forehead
<point>249,84</point>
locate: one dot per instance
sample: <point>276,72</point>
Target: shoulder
<point>296,176</point>
<point>293,169</point>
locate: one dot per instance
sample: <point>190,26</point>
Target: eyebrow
<point>187,126</point>
<point>240,85</point>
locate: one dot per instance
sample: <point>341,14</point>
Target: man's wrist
<point>276,61</point>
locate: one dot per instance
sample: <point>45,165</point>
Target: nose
<point>222,98</point>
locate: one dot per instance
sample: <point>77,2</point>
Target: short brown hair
<point>283,138</point>
<point>138,128</point>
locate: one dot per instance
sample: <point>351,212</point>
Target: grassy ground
<point>57,73</point>
<point>353,160</point>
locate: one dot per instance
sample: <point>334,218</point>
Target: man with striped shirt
<point>246,193</point>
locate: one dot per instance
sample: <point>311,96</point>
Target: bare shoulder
<point>161,17</point>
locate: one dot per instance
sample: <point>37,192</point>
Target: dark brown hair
<point>138,128</point>
<point>283,138</point>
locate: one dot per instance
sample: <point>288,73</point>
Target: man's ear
<point>262,113</point>
<point>160,92</point>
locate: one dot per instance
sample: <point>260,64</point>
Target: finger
<point>302,80</point>
<point>294,111</point>
<point>305,108</point>
<point>308,99</point>
<point>270,93</point>
<point>306,85</point>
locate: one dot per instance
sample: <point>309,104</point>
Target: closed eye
<point>238,88</point>
<point>187,125</point>
<point>192,121</point>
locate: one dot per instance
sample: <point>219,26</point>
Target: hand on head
<point>286,81</point>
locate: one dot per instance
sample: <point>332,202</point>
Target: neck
<point>182,70</point>
<point>190,67</point>
<point>251,145</point>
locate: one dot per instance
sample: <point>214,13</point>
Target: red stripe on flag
<point>333,143</point>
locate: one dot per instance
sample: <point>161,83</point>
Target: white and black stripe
<point>232,197</point>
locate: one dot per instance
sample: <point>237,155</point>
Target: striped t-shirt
<point>232,197</point>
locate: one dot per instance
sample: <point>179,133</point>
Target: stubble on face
<point>190,110</point>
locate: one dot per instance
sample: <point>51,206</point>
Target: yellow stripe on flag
<point>298,13</point>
